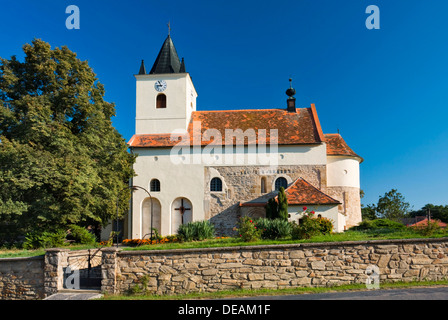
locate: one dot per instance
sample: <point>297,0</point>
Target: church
<point>221,165</point>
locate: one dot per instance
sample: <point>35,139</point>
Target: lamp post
<point>133,188</point>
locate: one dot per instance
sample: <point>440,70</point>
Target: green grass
<point>273,292</point>
<point>378,234</point>
<point>375,234</point>
<point>20,253</point>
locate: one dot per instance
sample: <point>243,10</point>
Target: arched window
<point>154,186</point>
<point>161,101</point>
<point>281,182</point>
<point>216,185</point>
<point>263,185</point>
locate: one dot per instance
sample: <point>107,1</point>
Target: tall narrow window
<point>161,101</point>
<point>281,182</point>
<point>216,185</point>
<point>263,184</point>
<point>154,185</point>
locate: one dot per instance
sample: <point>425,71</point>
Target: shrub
<point>378,224</point>
<point>274,229</point>
<point>37,239</point>
<point>307,228</point>
<point>247,230</point>
<point>310,226</point>
<point>198,230</point>
<point>326,225</point>
<point>428,229</point>
<point>80,235</point>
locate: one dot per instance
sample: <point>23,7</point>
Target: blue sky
<point>385,90</point>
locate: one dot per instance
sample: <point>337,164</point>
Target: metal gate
<point>83,270</point>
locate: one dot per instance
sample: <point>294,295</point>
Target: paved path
<point>75,295</point>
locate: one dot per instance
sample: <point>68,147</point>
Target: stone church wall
<point>275,266</point>
<point>243,183</point>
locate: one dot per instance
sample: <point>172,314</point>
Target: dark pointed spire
<point>142,68</point>
<point>167,61</point>
<point>182,66</point>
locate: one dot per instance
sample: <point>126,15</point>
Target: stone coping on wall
<point>122,252</point>
<point>16,259</point>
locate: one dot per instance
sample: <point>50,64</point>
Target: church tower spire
<point>167,60</point>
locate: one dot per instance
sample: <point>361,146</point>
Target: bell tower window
<point>161,101</point>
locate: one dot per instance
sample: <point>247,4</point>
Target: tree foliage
<point>278,209</point>
<point>61,160</point>
<point>392,206</point>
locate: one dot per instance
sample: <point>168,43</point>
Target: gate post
<point>55,261</point>
<point>109,270</point>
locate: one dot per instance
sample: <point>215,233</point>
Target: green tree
<point>437,212</point>
<point>282,204</point>
<point>368,212</point>
<point>278,208</point>
<point>61,160</point>
<point>392,206</point>
<point>272,209</point>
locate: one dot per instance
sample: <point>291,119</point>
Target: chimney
<point>291,102</point>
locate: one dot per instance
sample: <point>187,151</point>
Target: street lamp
<point>133,188</point>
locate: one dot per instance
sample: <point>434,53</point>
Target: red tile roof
<point>424,222</point>
<point>301,127</point>
<point>300,192</point>
<point>336,146</point>
<point>303,192</point>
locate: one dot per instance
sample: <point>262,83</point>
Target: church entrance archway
<point>146,217</point>
<point>181,213</point>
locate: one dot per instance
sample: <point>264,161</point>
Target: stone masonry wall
<point>22,278</point>
<point>243,183</point>
<point>280,266</point>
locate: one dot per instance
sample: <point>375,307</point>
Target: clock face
<point>160,85</point>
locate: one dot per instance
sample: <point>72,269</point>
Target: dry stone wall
<point>280,266</point>
<point>22,278</point>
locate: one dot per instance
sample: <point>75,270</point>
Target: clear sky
<point>385,90</point>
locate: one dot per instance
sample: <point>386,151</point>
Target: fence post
<point>109,270</point>
<point>55,261</point>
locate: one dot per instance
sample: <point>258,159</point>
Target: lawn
<point>350,235</point>
<point>376,234</point>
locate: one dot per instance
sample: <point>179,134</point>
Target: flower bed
<point>141,242</point>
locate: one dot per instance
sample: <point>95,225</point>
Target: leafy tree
<point>282,204</point>
<point>439,212</point>
<point>368,212</point>
<point>278,208</point>
<point>392,206</point>
<point>61,160</point>
<point>272,209</point>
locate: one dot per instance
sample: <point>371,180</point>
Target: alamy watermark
<point>72,280</point>
<point>373,277</point>
<point>373,20</point>
<point>234,147</point>
<point>73,21</point>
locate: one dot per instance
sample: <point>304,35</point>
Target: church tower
<point>166,96</point>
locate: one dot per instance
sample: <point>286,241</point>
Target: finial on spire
<point>169,28</point>
<point>291,102</point>
<point>291,91</point>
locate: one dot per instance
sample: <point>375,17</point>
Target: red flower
<point>304,208</point>
<point>312,212</point>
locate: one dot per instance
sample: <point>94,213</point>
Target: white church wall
<point>188,179</point>
<point>326,211</point>
<point>176,181</point>
<point>181,101</point>
<point>342,172</point>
